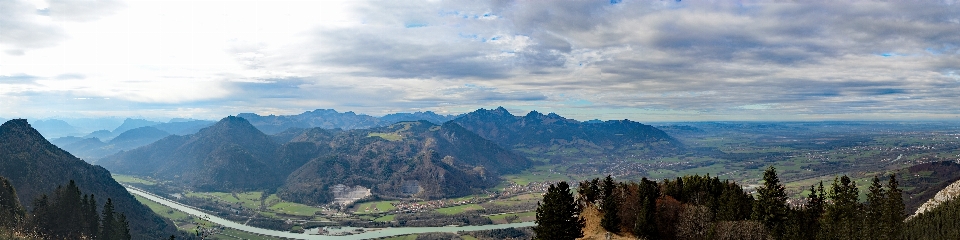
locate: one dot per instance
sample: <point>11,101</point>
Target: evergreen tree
<point>610,206</point>
<point>771,203</point>
<point>92,218</point>
<point>841,219</point>
<point>108,228</point>
<point>874,211</point>
<point>646,225</point>
<point>558,216</point>
<point>122,230</point>
<point>894,209</point>
<point>11,212</point>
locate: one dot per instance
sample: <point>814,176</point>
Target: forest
<point>704,207</point>
<point>67,213</point>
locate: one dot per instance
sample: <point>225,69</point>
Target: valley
<point>805,153</point>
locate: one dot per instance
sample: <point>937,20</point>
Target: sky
<point>639,60</point>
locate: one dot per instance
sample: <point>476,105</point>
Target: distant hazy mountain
<point>409,158</point>
<point>539,135</point>
<point>183,126</point>
<point>54,128</point>
<point>130,123</point>
<point>230,155</point>
<point>34,167</point>
<point>101,134</point>
<point>86,125</point>
<point>92,148</point>
<point>417,116</point>
<point>331,119</point>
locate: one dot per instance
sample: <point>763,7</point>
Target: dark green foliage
<point>558,216</point>
<point>893,214</point>
<point>589,192</point>
<point>11,212</point>
<point>68,215</point>
<point>646,225</point>
<point>610,206</point>
<point>874,209</point>
<point>937,223</point>
<point>770,208</point>
<point>841,219</point>
<point>34,167</point>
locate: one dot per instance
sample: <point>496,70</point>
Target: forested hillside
<point>546,136</point>
<point>35,167</point>
<point>230,155</point>
<point>406,159</point>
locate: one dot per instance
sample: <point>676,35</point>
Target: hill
<point>34,166</point>
<point>230,155</point>
<point>925,183</point>
<point>553,136</point>
<point>405,159</point>
<point>419,159</point>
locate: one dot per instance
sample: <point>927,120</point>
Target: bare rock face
<point>345,195</point>
<point>948,193</point>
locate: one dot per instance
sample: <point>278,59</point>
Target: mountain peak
<point>533,114</point>
<point>21,128</point>
<point>501,110</point>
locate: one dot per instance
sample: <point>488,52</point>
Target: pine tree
<point>841,219</point>
<point>771,204</point>
<point>108,227</point>
<point>610,206</point>
<point>874,210</point>
<point>122,228</point>
<point>92,218</point>
<point>558,216</point>
<point>11,212</point>
<point>646,225</point>
<point>894,209</point>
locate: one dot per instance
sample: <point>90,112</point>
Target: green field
<point>183,221</point>
<point>131,179</point>
<point>404,237</point>
<point>458,209</point>
<point>374,207</point>
<point>387,136</point>
<point>524,216</point>
<point>386,218</point>
<point>229,233</point>
<point>295,209</point>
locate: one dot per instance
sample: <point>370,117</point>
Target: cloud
<point>22,28</point>
<point>628,59</point>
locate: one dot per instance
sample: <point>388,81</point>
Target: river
<point>383,232</point>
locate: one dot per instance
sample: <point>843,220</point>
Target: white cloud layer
<point>643,60</point>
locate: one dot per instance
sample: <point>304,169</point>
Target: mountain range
<point>101,143</point>
<point>404,159</point>
<point>34,167</point>
<point>331,119</point>
<point>550,135</point>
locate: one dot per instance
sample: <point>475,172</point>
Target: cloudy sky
<point>642,60</point>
